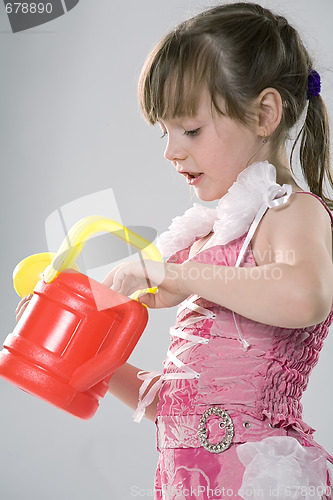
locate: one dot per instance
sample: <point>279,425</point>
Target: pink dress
<point>229,420</point>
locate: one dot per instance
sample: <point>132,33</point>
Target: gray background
<point>71,127</point>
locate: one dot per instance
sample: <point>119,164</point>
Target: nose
<point>174,151</point>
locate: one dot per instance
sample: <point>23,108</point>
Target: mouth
<point>192,178</point>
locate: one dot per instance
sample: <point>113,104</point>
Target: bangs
<point>174,75</point>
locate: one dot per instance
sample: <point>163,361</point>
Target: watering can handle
<point>71,247</point>
<point>101,365</point>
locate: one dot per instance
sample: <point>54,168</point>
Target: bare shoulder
<point>303,213</point>
<point>302,221</point>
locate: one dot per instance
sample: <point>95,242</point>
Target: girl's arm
<point>125,385</point>
<point>294,291</point>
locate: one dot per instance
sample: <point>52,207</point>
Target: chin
<point>211,197</point>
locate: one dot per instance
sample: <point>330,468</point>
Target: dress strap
<point>275,196</point>
<point>322,202</point>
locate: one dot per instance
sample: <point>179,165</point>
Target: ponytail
<point>315,148</point>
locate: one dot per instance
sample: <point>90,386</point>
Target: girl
<point>254,277</point>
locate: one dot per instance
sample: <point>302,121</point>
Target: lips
<point>192,177</point>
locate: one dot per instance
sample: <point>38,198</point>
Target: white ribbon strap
<point>275,196</point>
<point>269,202</point>
<point>189,304</point>
<point>192,340</point>
<point>187,372</point>
<point>147,377</point>
<point>251,232</point>
<point>183,305</point>
<point>196,339</point>
<point>189,321</point>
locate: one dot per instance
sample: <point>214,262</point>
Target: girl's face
<point>210,149</point>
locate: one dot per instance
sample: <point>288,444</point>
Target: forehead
<point>189,103</point>
<point>197,104</point>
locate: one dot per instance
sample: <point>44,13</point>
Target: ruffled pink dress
<point>229,420</point>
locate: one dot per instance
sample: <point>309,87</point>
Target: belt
<point>215,430</point>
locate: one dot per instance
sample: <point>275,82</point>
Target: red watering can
<point>75,331</point>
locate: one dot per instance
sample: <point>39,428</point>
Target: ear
<point>269,109</point>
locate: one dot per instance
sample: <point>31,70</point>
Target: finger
<point>21,311</point>
<point>149,299</point>
<point>119,284</point>
<point>108,280</point>
<point>146,275</point>
<point>25,299</point>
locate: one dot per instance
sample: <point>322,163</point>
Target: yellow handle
<point>74,242</point>
<point>30,270</point>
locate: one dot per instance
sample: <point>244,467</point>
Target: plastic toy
<point>75,331</point>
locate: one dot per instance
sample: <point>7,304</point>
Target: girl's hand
<point>22,305</point>
<point>131,276</point>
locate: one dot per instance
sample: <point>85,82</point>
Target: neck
<point>283,172</point>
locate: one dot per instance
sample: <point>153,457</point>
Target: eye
<point>192,133</point>
<point>164,133</point>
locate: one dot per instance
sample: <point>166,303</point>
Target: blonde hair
<point>236,51</point>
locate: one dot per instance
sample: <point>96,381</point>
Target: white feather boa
<point>231,218</point>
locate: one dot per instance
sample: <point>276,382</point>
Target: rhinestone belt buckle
<point>226,423</point>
